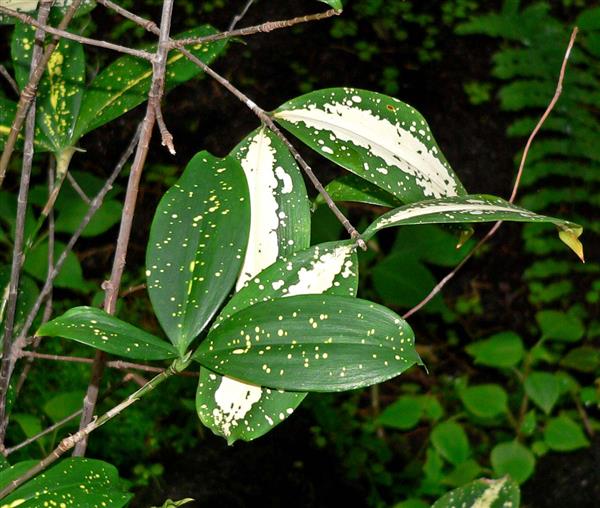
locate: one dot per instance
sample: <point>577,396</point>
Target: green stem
<point>70,441</point>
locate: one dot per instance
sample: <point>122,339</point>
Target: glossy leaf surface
<point>94,327</point>
<point>311,343</point>
<point>74,482</point>
<point>358,190</point>
<point>125,83</point>
<point>482,493</point>
<point>377,137</point>
<point>196,247</point>
<point>238,410</point>
<point>466,209</point>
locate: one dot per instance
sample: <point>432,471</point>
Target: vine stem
<point>63,34</point>
<point>17,254</point>
<point>70,441</point>
<point>30,91</point>
<point>111,287</point>
<point>513,195</point>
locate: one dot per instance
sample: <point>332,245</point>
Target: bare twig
<point>165,135</point>
<point>69,442</point>
<point>77,188</point>
<point>238,17</point>
<point>132,289</point>
<point>6,75</point>
<point>251,30</point>
<point>28,93</point>
<point>63,34</point>
<point>17,254</point>
<point>147,24</point>
<point>112,285</point>
<point>515,189</point>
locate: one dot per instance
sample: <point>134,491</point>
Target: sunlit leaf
<point>456,210</point>
<point>377,137</point>
<point>125,83</point>
<point>196,247</point>
<point>72,482</point>
<point>94,327</point>
<point>482,493</point>
<point>311,343</point>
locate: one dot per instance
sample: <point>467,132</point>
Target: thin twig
<point>147,24</point>
<point>17,254</point>
<point>111,286</point>
<point>515,189</point>
<point>165,135</point>
<point>251,30</point>
<point>132,289</point>
<point>29,92</point>
<point>63,34</point>
<point>268,121</point>
<point>6,75</point>
<point>238,17</point>
<point>113,364</point>
<point>77,188</point>
<point>70,441</point>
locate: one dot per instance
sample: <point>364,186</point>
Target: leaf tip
<point>570,237</point>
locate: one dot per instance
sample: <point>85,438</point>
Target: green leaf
<point>311,343</point>
<point>238,410</point>
<point>174,504</point>
<point>70,276</point>
<point>463,209</point>
<point>94,327</point>
<point>451,442</point>
<point>60,90</point>
<point>64,404</point>
<point>280,210</point>
<point>358,190</point>
<point>485,401</point>
<point>402,414</point>
<point>125,83</point>
<point>197,242</point>
<point>335,4</point>
<point>377,137</point>
<point>529,423</point>
<point>543,389</point>
<point>583,359</point>
<point>513,459</point>
<point>26,296</point>
<point>463,473</point>
<point>557,325</point>
<point>61,485</point>
<point>562,434</point>
<point>482,493</point>
<point>8,110</point>
<point>504,350</point>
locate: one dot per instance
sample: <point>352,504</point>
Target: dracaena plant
<point>240,293</point>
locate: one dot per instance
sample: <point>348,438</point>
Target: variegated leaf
<point>471,208</point>
<point>311,343</point>
<point>377,137</point>
<point>238,410</point>
<point>280,212</point>
<point>358,190</point>
<point>197,242</point>
<point>483,493</point>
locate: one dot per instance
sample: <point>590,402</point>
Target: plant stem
<point>238,17</point>
<point>515,189</point>
<point>69,442</point>
<point>63,34</point>
<point>112,285</point>
<point>17,255</point>
<point>30,91</point>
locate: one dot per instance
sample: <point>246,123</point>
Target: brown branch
<point>63,34</point>
<point>515,189</point>
<point>269,26</point>
<point>17,254</point>
<point>146,24</point>
<point>112,285</point>
<point>132,289</point>
<point>6,75</point>
<point>29,92</point>
<point>77,188</point>
<point>238,17</point>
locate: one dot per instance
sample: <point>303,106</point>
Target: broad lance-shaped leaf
<point>94,327</point>
<point>471,208</point>
<point>358,190</point>
<point>125,83</point>
<point>280,212</point>
<point>483,493</point>
<point>238,410</point>
<point>311,343</point>
<point>196,247</point>
<point>74,482</point>
<point>377,137</point>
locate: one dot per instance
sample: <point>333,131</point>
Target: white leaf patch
<point>396,145</point>
<point>234,399</point>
